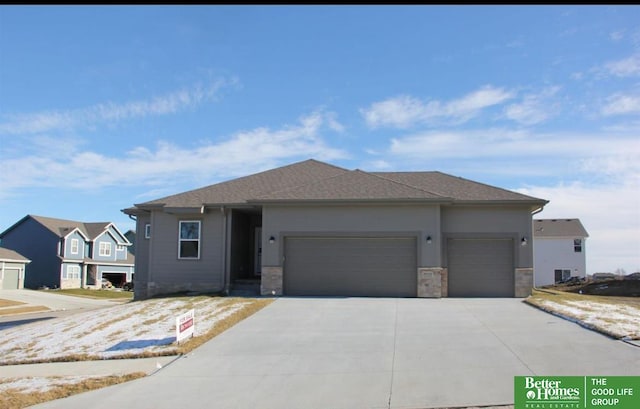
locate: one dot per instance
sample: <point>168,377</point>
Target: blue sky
<point>102,107</point>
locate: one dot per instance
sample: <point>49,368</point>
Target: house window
<point>105,249</point>
<point>577,245</point>
<point>561,275</point>
<point>73,273</point>
<point>74,246</point>
<point>119,248</point>
<point>147,231</point>
<point>189,239</point>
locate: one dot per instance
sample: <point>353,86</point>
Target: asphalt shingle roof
<point>312,180</point>
<point>62,227</point>
<point>352,185</point>
<point>454,187</point>
<point>558,228</point>
<point>6,254</point>
<point>240,190</point>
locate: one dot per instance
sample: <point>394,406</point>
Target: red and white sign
<point>185,325</point>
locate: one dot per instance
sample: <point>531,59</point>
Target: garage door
<point>480,268</point>
<point>350,266</point>
<point>10,280</point>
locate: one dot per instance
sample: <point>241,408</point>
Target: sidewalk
<point>104,367</point>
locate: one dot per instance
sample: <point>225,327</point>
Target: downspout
<point>225,273</point>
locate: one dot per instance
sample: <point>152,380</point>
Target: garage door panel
<point>350,266</point>
<point>480,267</point>
<point>11,279</point>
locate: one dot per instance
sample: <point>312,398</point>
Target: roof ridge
<point>408,185</point>
<point>235,180</point>
<point>307,184</point>
<point>487,185</point>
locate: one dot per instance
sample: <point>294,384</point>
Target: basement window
<point>189,239</point>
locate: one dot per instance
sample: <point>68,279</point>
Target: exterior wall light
<point>272,240</point>
<point>428,239</point>
<point>523,241</point>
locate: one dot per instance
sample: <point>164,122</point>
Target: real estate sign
<point>185,325</point>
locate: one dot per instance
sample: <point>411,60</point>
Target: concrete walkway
<point>317,353</point>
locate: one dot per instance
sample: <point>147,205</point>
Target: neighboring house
<point>131,236</point>
<point>559,250</point>
<point>70,254</point>
<point>12,269</point>
<point>312,228</point>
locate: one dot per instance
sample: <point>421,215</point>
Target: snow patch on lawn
<point>123,330</point>
<point>37,384</point>
<point>620,321</point>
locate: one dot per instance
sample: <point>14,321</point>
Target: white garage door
<point>10,280</point>
<point>480,268</point>
<point>350,266</point>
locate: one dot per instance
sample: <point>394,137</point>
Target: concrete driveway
<point>372,353</point>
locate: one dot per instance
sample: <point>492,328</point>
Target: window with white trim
<point>189,239</point>
<point>577,245</point>
<point>147,231</point>
<point>120,247</point>
<point>73,273</point>
<point>105,249</point>
<point>75,246</point>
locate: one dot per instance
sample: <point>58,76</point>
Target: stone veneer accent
<point>523,282</point>
<point>271,281</point>
<point>429,282</point>
<point>445,282</point>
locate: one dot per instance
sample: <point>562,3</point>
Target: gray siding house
<point>70,254</point>
<point>12,269</point>
<point>314,229</point>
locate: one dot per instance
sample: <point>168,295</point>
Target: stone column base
<point>523,282</point>
<point>429,282</point>
<point>271,281</point>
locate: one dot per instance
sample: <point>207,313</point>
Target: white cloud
<point>405,111</point>
<point>616,35</point>
<point>112,112</point>
<point>627,67</point>
<point>534,108</point>
<point>242,153</point>
<point>621,104</point>
<point>507,144</point>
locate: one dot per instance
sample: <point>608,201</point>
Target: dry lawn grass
<point>58,388</point>
<point>22,310</point>
<point>16,398</point>
<point>618,317</point>
<point>102,294</point>
<point>9,303</point>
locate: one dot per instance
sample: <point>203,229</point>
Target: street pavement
<point>54,304</point>
<point>317,353</point>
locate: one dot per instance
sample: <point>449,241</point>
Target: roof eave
<point>347,201</point>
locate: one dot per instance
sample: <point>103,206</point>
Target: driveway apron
<point>320,353</point>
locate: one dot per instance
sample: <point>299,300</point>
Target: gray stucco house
<point>314,229</point>
<point>12,269</point>
<point>70,254</point>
